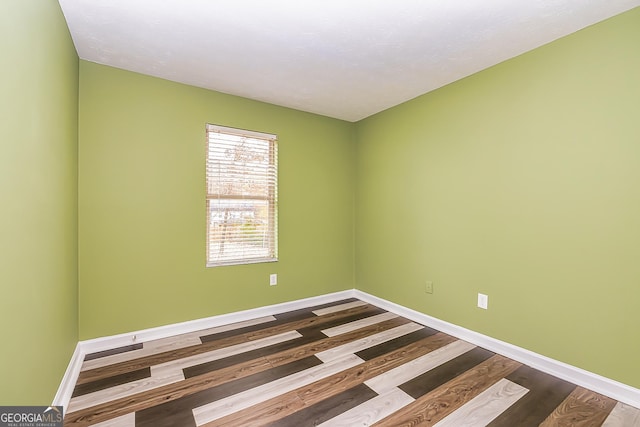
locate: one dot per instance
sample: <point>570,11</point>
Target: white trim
<point>613,389</point>
<point>241,132</point>
<point>65,390</point>
<point>608,387</point>
<point>114,341</point>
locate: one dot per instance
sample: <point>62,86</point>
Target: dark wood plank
<point>440,392</point>
<point>394,344</point>
<point>178,412</point>
<point>167,356</point>
<point>328,343</point>
<point>145,400</point>
<point>328,387</point>
<point>546,392</point>
<point>281,319</point>
<point>293,315</point>
<point>327,408</point>
<point>105,353</point>
<point>430,380</point>
<point>104,383</point>
<point>316,329</point>
<point>346,379</point>
<point>193,385</point>
<point>310,335</point>
<point>432,407</point>
<point>582,408</point>
<point>215,365</point>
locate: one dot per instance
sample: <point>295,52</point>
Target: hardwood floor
<point>342,364</point>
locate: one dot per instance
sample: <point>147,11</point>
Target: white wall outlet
<point>428,288</point>
<point>273,279</point>
<point>483,301</point>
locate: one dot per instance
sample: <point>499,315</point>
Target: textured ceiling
<point>346,59</point>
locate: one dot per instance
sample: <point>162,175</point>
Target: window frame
<point>271,198</point>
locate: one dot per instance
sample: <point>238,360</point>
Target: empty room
<point>293,213</point>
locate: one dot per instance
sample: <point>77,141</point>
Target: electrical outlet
<point>428,288</point>
<point>273,279</point>
<point>483,301</point>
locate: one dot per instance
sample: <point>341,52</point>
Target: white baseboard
<point>613,389</point>
<point>65,390</point>
<point>114,341</point>
<point>597,383</point>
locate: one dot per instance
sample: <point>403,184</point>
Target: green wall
<point>521,182</point>
<point>38,184</point>
<point>142,206</point>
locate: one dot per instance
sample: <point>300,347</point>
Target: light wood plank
<point>171,372</point>
<point>367,342</point>
<point>478,388</point>
<point>403,373</point>
<point>156,359</point>
<point>324,344</point>
<point>170,392</point>
<point>128,420</point>
<point>158,396</point>
<point>623,415</point>
<point>371,411</point>
<point>340,307</point>
<point>437,404</point>
<point>485,407</point>
<point>287,403</point>
<point>243,400</point>
<point>174,366</point>
<point>346,379</point>
<point>103,396</point>
<point>352,326</point>
<point>171,343</point>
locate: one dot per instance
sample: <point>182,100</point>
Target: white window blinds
<point>242,196</point>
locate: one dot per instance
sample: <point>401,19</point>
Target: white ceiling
<point>346,59</point>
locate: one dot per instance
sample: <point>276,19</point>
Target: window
<point>242,196</point>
